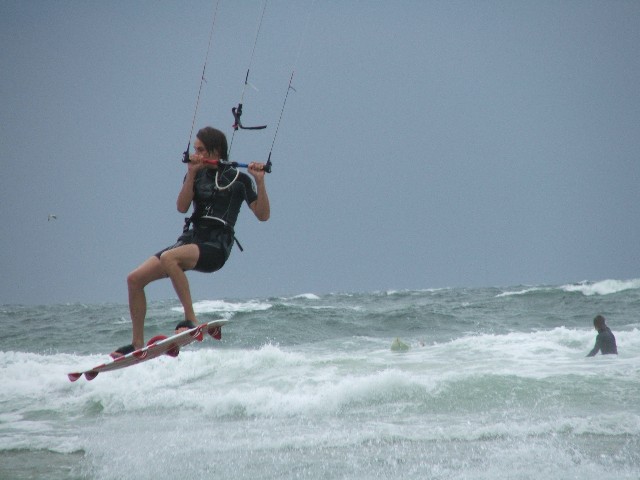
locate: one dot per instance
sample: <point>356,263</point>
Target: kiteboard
<point>158,345</point>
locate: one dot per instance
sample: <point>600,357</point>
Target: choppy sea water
<point>495,385</point>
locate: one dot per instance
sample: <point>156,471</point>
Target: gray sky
<point>428,143</point>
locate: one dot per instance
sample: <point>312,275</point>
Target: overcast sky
<point>427,144</point>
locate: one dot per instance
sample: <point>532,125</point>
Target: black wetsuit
<point>215,211</point>
<point>605,342</point>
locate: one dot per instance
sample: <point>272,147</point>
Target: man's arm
<point>260,207</point>
<point>596,348</point>
<point>185,197</point>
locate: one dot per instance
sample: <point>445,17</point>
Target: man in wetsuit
<point>216,191</point>
<point>605,341</point>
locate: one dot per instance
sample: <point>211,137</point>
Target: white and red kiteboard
<point>158,345</point>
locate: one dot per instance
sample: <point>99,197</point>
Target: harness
<point>225,226</point>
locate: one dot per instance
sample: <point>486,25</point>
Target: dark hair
<point>598,322</point>
<point>214,141</point>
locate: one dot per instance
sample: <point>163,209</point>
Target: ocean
<point>494,385</point>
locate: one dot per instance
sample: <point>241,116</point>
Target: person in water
<point>605,341</point>
<point>217,192</point>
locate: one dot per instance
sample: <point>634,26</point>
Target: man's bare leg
<point>175,262</point>
<point>137,280</point>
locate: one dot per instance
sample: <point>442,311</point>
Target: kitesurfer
<point>217,191</point>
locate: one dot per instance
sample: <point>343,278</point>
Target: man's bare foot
<point>185,325</point>
<point>122,351</point>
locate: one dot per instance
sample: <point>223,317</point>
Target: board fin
<point>215,332</point>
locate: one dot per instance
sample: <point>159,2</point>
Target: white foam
<point>523,292</point>
<point>224,307</point>
<point>603,287</point>
<point>274,384</point>
<point>307,296</point>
